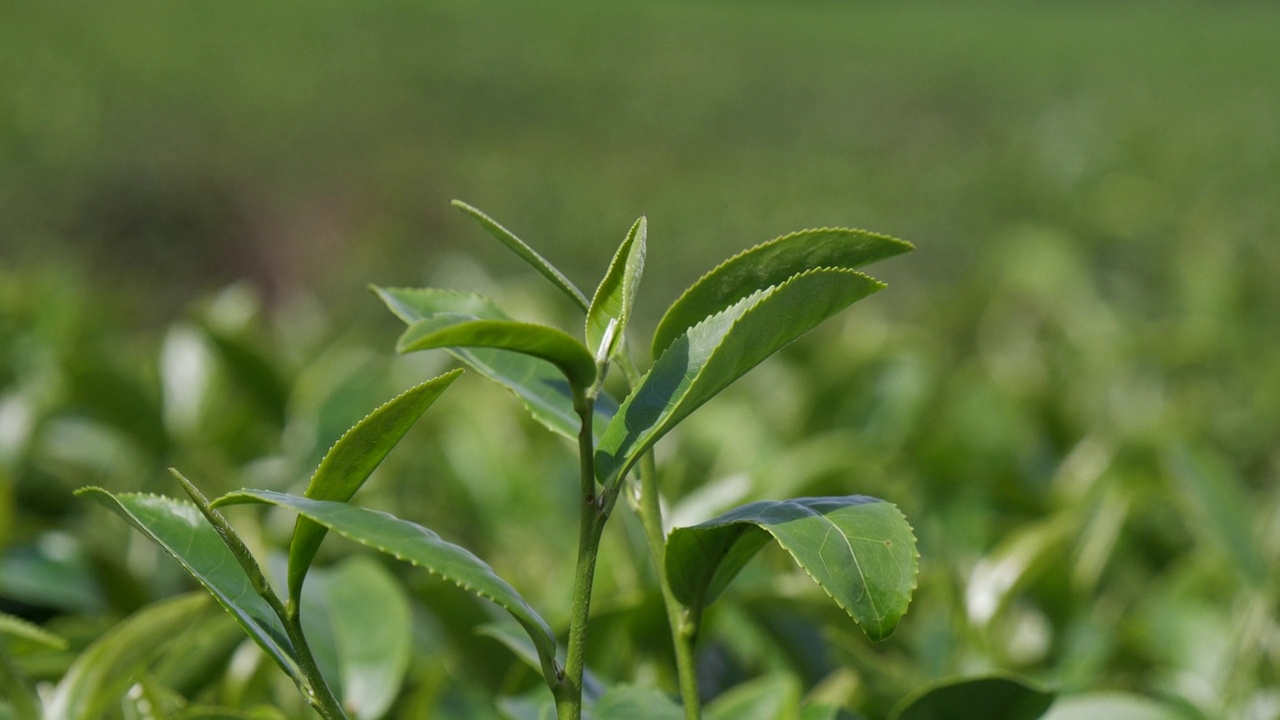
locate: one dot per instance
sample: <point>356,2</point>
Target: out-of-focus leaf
<point>769,264</point>
<point>540,341</point>
<point>1110,706</point>
<point>19,628</point>
<point>773,697</point>
<point>253,371</point>
<point>534,705</point>
<point>629,702</point>
<point>372,630</point>
<point>717,351</point>
<point>526,253</point>
<point>859,549</point>
<point>1219,509</point>
<point>1007,698</point>
<point>184,533</point>
<point>51,572</point>
<point>539,385</point>
<point>422,547</point>
<point>611,307</point>
<point>105,669</point>
<point>18,699</point>
<point>1015,563</point>
<point>518,643</point>
<point>351,461</point>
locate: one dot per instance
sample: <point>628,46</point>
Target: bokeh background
<point>1072,387</point>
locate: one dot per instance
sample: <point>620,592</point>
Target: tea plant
<point>859,549</point>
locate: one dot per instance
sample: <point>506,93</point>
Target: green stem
<point>319,694</point>
<point>684,627</point>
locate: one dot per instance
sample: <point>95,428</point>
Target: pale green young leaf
<point>419,546</point>
<point>717,351</point>
<point>997,696</point>
<point>351,461</point>
<point>546,343</point>
<point>526,253</point>
<point>860,550</point>
<point>19,628</point>
<point>769,264</point>
<point>184,533</point>
<point>105,669</point>
<point>537,383</point>
<point>1111,706</point>
<point>611,306</point>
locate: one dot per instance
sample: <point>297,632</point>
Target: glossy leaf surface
<point>611,307</point>
<point>859,549</point>
<point>419,546</point>
<point>717,351</point>
<point>183,532</point>
<point>526,253</point>
<point>769,264</point>
<point>104,670</point>
<point>537,383</point>
<point>351,461</point>
<point>540,341</point>
<point>1007,698</point>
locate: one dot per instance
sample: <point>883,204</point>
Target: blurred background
<point>1072,387</point>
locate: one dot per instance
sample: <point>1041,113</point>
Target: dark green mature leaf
<point>184,533</point>
<point>351,461</point>
<point>415,544</point>
<point>859,549</point>
<point>526,253</point>
<point>101,674</point>
<point>539,384</point>
<point>368,612</point>
<point>717,351</point>
<point>1007,698</point>
<point>547,343</point>
<point>629,702</point>
<point>611,307</point>
<point>768,264</point>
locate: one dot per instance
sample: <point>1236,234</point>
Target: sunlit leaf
<point>768,264</point>
<point>184,533</point>
<point>1111,706</point>
<point>717,351</point>
<point>422,547</point>
<point>546,343</point>
<point>611,307</point>
<point>351,461</point>
<point>526,253</point>
<point>1007,698</point>
<point>860,550</point>
<point>540,386</point>
<point>101,674</point>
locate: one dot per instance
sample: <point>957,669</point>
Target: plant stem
<point>683,624</point>
<point>591,519</point>
<point>319,694</point>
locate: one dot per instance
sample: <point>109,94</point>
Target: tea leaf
<point>859,549</point>
<point>1008,698</point>
<point>547,343</point>
<point>184,533</point>
<point>526,253</point>
<point>629,702</point>
<point>717,351</point>
<point>419,546</point>
<point>372,631</point>
<point>17,627</point>
<point>101,674</point>
<point>767,698</point>
<point>768,264</point>
<point>351,461</point>
<point>1111,706</point>
<point>611,307</point>
<point>539,384</point>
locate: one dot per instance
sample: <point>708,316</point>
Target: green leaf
<point>100,675</point>
<point>611,307</point>
<point>773,697</point>
<point>998,696</point>
<point>368,612</point>
<point>1111,706</point>
<point>526,253</point>
<point>768,264</point>
<point>859,549</point>
<point>351,461</point>
<point>419,546</point>
<point>547,343</point>
<point>17,627</point>
<point>539,384</point>
<point>629,702</point>
<point>717,351</point>
<point>184,533</point>
<point>519,644</point>
<point>1219,508</point>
